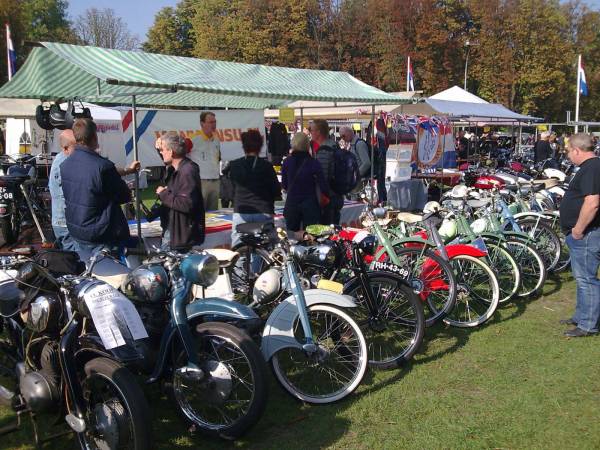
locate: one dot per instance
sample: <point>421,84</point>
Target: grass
<point>515,382</point>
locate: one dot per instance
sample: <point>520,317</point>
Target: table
<point>407,195</point>
<point>448,178</point>
<point>218,225</point>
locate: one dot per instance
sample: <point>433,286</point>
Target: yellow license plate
<point>329,285</point>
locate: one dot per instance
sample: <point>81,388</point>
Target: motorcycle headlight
<point>200,268</point>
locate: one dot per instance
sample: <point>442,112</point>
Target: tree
<point>172,31</point>
<point>103,28</point>
<point>10,13</point>
<point>46,20</point>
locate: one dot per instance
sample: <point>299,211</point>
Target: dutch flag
<point>11,54</point>
<point>410,81</point>
<point>583,90</point>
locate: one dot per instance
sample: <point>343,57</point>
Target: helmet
<point>448,229</point>
<point>42,117</point>
<point>554,173</point>
<point>431,207</point>
<point>478,226</point>
<point>267,286</point>
<point>366,242</point>
<point>147,283</point>
<point>459,191</point>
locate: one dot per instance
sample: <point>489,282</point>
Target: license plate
<point>5,194</point>
<point>389,267</point>
<point>329,285</point>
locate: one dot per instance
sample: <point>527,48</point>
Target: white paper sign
<point>112,314</point>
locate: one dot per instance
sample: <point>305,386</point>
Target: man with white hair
<point>359,148</point>
<point>542,149</point>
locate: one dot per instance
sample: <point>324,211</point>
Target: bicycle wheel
<point>506,269</point>
<point>533,270</point>
<point>431,278</point>
<point>546,241</point>
<point>395,331</point>
<point>337,367</point>
<point>252,262</point>
<point>478,292</point>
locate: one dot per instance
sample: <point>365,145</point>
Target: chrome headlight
<point>322,255</point>
<point>43,313</point>
<point>200,268</point>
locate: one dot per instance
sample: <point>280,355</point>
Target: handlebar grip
<point>137,252</point>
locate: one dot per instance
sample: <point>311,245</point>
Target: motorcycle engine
<point>40,388</point>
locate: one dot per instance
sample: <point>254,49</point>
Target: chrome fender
<point>542,216</point>
<point>279,329</point>
<point>219,307</point>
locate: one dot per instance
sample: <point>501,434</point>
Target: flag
<point>583,90</point>
<point>11,55</point>
<point>410,81</point>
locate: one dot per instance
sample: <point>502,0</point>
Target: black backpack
<point>343,175</point>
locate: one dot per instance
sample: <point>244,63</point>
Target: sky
<point>139,15</point>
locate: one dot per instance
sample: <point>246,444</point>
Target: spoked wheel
<point>117,415</point>
<point>506,269</point>
<point>231,395</point>
<point>531,264</point>
<point>395,332</point>
<point>251,263</point>
<point>431,278</point>
<point>478,292</point>
<point>546,241</point>
<point>565,256</point>
<point>337,366</point>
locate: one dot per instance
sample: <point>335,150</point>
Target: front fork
<point>291,279</point>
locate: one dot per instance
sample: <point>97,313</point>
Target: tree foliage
<point>103,28</point>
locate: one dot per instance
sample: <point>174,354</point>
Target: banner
<point>152,123</point>
<point>434,146</point>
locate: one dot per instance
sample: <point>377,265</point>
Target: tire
<point>243,274</point>
<point>212,398</point>
<point>436,285</point>
<point>10,228</point>
<point>533,270</point>
<point>506,268</point>
<point>545,239</point>
<point>297,360</point>
<point>478,292</point>
<point>391,341</point>
<point>129,402</point>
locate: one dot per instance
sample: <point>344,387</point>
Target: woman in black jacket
<point>255,185</point>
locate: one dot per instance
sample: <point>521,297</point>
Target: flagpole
<point>408,74</point>
<point>577,96</point>
<point>8,51</point>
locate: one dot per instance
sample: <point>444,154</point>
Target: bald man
<point>59,224</point>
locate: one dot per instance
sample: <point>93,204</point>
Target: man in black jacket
<point>93,191</point>
<point>182,197</point>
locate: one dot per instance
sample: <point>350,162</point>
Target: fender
<point>512,235</point>
<point>217,308</point>
<point>463,249</point>
<point>279,329</point>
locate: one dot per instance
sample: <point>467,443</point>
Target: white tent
<point>460,105</point>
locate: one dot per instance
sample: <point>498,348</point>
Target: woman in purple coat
<point>301,174</point>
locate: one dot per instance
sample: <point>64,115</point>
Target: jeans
<point>381,189</point>
<point>64,241</point>
<point>239,218</point>
<point>299,215</point>
<point>585,260</point>
<point>330,215</point>
<point>165,243</point>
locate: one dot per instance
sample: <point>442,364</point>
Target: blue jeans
<point>585,260</point>
<point>64,241</point>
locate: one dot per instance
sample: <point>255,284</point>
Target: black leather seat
<point>255,228</point>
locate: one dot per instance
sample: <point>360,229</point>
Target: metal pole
<point>137,174</point>
<point>373,150</point>
<point>577,95</point>
<point>466,64</point>
<point>520,137</point>
<point>302,119</point>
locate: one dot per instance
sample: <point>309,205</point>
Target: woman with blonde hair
<point>303,180</point>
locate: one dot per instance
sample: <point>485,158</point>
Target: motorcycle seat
<point>226,258</point>
<point>478,203</point>
<point>410,217</point>
<point>548,182</point>
<point>255,228</point>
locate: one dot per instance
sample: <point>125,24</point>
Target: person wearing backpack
<point>339,167</point>
<point>383,144</point>
<point>360,149</point>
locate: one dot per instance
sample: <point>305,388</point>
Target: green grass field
<point>514,383</point>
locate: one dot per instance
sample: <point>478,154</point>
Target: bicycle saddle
<point>225,257</point>
<point>410,217</point>
<point>255,228</point>
<point>478,203</point>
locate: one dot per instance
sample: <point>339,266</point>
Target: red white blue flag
<point>583,89</point>
<point>410,80</point>
<point>11,54</point>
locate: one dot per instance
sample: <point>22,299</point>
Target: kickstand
<point>34,215</point>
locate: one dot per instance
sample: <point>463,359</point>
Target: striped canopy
<point>98,75</point>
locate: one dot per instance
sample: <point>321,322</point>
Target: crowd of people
<point>88,190</point>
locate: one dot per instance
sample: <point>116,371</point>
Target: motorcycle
<point>66,343</point>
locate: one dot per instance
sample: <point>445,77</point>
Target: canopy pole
<point>373,140</point>
<point>301,119</point>
<point>520,137</point>
<point>137,174</point>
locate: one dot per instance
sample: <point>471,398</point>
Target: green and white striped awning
<point>61,71</point>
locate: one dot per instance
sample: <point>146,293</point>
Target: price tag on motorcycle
<point>113,316</point>
<point>329,285</point>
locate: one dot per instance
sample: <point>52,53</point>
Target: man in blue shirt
<point>59,223</point>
